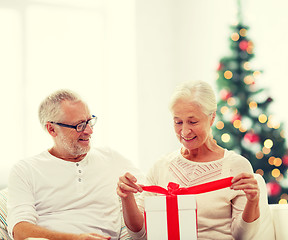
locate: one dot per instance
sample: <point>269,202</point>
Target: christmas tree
<point>244,123</point>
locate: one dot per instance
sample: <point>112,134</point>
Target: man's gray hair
<point>50,108</point>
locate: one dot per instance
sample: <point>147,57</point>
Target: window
<point>75,44</point>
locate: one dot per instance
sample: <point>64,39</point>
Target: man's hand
<point>93,236</point>
<point>26,230</point>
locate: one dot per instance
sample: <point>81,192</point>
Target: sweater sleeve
<point>265,222</point>
<point>241,230</point>
<point>141,235</point>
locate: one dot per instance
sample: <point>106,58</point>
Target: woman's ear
<point>51,129</point>
<point>213,116</point>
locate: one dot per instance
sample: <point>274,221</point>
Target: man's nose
<point>88,129</point>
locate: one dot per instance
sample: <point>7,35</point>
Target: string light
<point>250,48</point>
<point>225,137</point>
<point>268,143</point>
<point>269,124</point>
<point>282,201</point>
<point>276,125</point>
<point>259,155</point>
<point>249,80</point>
<point>256,74</point>
<point>253,105</point>
<point>275,172</point>
<point>243,32</point>
<point>235,37</point>
<point>228,74</point>
<point>262,118</point>
<point>231,101</point>
<point>224,110</point>
<point>272,123</point>
<point>237,123</point>
<point>219,125</point>
<point>277,162</point>
<point>246,66</point>
<point>271,160</point>
<point>266,150</point>
<point>260,171</point>
<point>242,129</point>
<point>283,198</point>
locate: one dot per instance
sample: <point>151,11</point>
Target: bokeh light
<point>262,118</point>
<point>228,74</point>
<point>235,37</point>
<point>225,137</point>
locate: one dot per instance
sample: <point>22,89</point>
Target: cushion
<point>3,214</point>
<point>266,230</point>
<point>124,235</point>
<point>280,216</point>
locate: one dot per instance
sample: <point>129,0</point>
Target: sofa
<point>273,218</point>
<point>3,214</point>
<point>3,224</point>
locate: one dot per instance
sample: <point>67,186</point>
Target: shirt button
<point>79,171</point>
<point>79,179</point>
<point>77,164</point>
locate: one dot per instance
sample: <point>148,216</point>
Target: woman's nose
<point>186,130</point>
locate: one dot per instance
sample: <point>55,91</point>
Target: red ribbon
<point>171,193</point>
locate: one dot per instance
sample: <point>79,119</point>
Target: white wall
<point>183,40</point>
<point>125,57</point>
<point>176,41</point>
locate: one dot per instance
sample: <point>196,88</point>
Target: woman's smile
<point>188,138</point>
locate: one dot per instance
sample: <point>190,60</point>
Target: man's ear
<point>51,129</point>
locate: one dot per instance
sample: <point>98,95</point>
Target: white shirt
<point>66,196</point>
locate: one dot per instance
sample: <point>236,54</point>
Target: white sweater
<point>219,212</point>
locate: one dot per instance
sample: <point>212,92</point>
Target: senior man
<point>67,191</point>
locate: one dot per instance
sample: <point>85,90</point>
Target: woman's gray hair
<point>50,108</point>
<point>199,92</point>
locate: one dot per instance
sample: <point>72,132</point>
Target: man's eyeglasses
<point>80,127</point>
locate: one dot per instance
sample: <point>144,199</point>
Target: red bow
<point>174,189</point>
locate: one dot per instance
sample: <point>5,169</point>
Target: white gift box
<point>157,222</point>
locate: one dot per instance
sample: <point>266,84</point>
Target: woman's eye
<point>178,122</point>
<point>193,122</point>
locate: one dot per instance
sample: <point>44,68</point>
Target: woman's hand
<point>126,188</point>
<point>127,185</point>
<point>248,184</point>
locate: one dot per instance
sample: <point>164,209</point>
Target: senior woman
<point>223,214</point>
